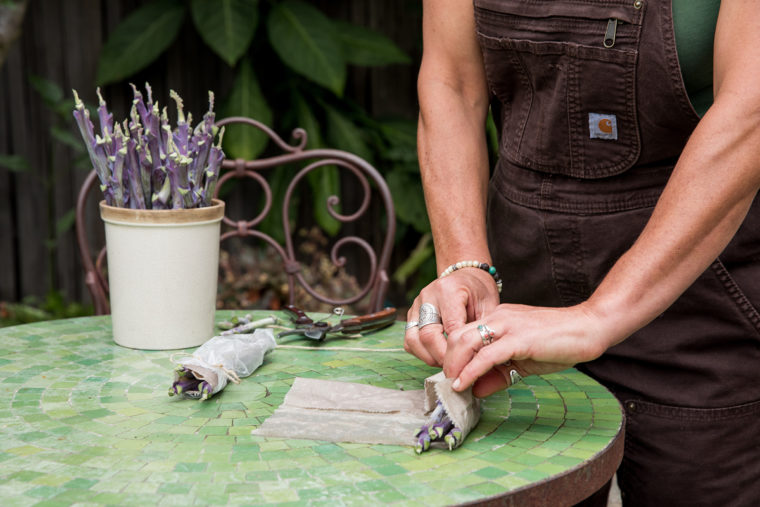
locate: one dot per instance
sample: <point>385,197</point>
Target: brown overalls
<point>593,114</point>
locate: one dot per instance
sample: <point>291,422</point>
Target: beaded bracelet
<point>474,264</point>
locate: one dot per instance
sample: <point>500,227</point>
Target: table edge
<point>570,487</point>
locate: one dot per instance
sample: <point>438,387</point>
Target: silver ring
<point>410,325</point>
<point>486,334</point>
<point>514,377</point>
<point>428,315</point>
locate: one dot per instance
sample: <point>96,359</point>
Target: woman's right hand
<point>461,297</point>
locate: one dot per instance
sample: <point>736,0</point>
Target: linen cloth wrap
<point>349,412</point>
<point>238,353</point>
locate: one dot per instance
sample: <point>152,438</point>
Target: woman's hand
<point>463,296</point>
<point>532,340</point>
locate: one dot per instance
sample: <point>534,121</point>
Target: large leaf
<point>362,46</point>
<point>492,135</point>
<point>50,92</point>
<point>140,39</point>
<point>324,181</point>
<point>15,163</point>
<point>65,223</point>
<point>281,178</point>
<point>306,41</point>
<point>401,138</point>
<point>408,199</point>
<point>246,99</point>
<point>421,253</point>
<point>227,26</point>
<point>278,183</point>
<point>307,121</point>
<point>66,137</point>
<point>346,135</point>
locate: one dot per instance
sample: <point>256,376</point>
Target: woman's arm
<point>451,132</point>
<point>700,210</point>
<point>454,166</point>
<point>709,192</point>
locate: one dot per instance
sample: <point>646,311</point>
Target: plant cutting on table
<point>329,410</point>
<point>336,411</point>
<point>239,349</point>
<point>221,359</point>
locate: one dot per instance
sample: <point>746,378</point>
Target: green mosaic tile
<point>88,422</point>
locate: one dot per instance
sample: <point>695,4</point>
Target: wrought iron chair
<point>376,284</point>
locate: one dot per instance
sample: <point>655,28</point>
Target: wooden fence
<point>60,42</point>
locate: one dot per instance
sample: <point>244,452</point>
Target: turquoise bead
<point>492,270</point>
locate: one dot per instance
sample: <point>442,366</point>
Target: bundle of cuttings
<point>188,384</point>
<point>220,360</point>
<point>438,427</point>
<point>235,321</point>
<point>143,163</point>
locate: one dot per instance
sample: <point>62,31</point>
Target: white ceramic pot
<point>163,267</point>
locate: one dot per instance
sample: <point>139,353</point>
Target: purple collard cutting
<point>105,118</point>
<point>98,157</point>
<point>216,156</point>
<point>439,426</point>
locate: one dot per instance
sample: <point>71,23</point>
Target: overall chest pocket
<point>564,74</point>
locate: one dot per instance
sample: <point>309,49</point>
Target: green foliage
<point>226,26</point>
<point>417,258</point>
<point>344,134</point>
<point>246,99</point>
<point>305,56</point>
<point>32,309</point>
<point>307,42</point>
<point>14,163</point>
<point>61,129</point>
<point>403,177</point>
<point>407,197</point>
<point>363,47</point>
<point>492,137</point>
<point>49,92</point>
<point>140,39</point>
<point>53,97</point>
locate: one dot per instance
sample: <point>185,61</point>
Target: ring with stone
<point>514,377</point>
<point>410,325</point>
<point>428,315</point>
<point>486,334</point>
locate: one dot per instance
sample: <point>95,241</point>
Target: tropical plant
<point>306,56</point>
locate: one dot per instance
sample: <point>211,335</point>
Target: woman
<point>624,225</point>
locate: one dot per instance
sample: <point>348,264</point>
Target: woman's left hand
<point>531,340</point>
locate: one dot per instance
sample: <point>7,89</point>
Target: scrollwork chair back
<point>376,284</point>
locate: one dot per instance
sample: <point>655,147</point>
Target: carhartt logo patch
<point>602,126</point>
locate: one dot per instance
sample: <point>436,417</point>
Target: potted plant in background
<point>162,224</point>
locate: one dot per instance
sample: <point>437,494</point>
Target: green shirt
<point>694,24</point>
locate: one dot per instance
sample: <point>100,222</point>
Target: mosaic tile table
<point>83,420</point>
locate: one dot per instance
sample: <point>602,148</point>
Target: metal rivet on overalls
<point>638,3</point>
<point>631,406</point>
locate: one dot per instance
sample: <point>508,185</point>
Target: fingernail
<point>455,384</point>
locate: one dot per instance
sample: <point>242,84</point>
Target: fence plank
<point>25,124</point>
<point>81,36</point>
<point>8,259</point>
